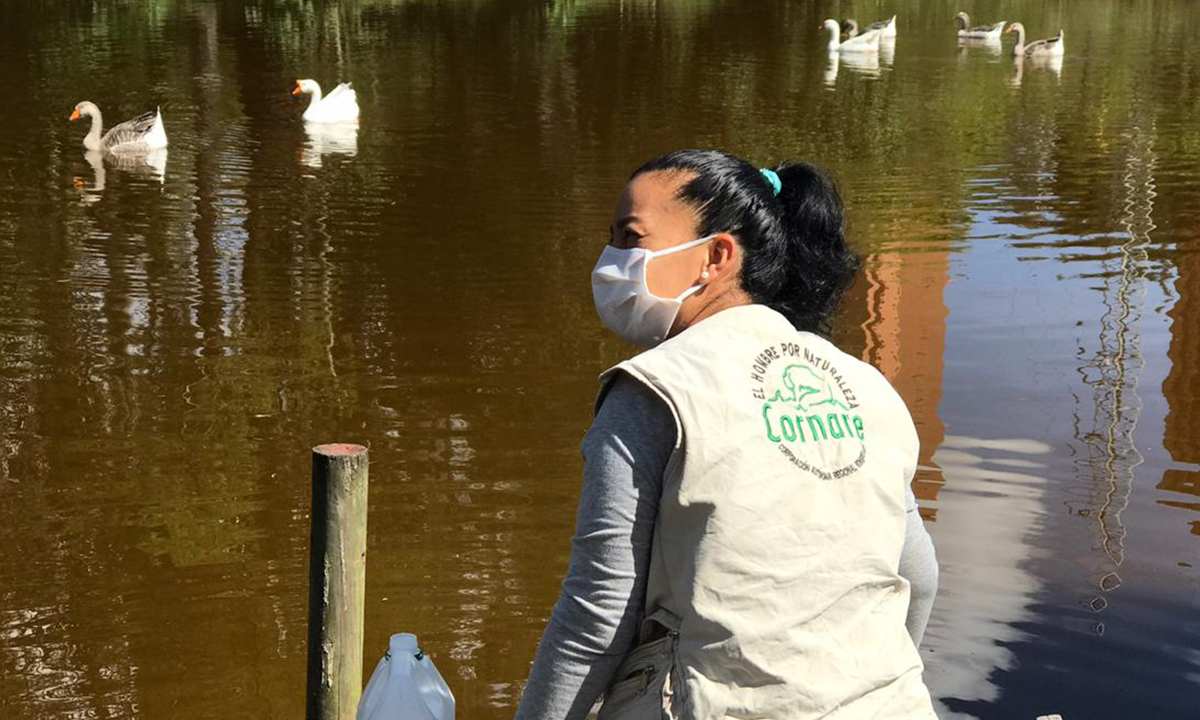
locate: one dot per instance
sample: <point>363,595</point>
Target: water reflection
<point>328,139</point>
<point>862,64</point>
<point>887,50</point>
<point>1114,370</point>
<point>151,165</point>
<point>972,626</point>
<point>992,47</point>
<point>831,69</point>
<point>1053,63</point>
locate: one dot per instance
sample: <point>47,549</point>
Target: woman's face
<point>649,216</point>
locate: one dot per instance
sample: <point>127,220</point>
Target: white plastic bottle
<point>406,686</point>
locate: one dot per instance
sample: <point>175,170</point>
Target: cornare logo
<point>806,409</point>
<point>809,411</point>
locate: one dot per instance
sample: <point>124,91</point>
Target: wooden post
<point>337,580</point>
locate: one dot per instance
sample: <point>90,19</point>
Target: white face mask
<point>625,303</point>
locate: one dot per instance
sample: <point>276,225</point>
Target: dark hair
<point>796,259</point>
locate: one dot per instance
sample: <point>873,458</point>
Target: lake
<point>175,337</point>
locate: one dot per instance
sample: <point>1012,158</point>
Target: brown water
<point>172,343</point>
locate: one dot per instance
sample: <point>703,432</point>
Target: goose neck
<point>316,95</point>
<point>93,140</point>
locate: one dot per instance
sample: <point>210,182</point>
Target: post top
<point>339,449</point>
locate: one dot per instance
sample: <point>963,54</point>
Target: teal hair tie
<point>773,178</point>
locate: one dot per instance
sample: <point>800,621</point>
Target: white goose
<point>139,135</point>
<point>340,105</point>
<point>979,32</point>
<point>867,42</point>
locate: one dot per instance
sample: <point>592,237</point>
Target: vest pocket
<point>644,684</point>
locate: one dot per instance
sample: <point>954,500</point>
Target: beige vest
<point>780,526</point>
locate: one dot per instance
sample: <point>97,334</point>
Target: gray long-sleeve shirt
<point>595,621</point>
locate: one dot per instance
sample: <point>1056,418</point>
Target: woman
<point>746,537</point>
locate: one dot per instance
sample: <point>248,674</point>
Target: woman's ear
<point>724,256</point>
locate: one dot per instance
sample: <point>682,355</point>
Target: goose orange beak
<point>75,115</point>
<point>296,91</point>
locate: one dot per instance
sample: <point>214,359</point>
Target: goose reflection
<point>155,162</point>
<point>151,164</point>
<point>831,69</point>
<point>991,46</point>
<point>328,139</point>
<point>887,50</point>
<point>864,64</point>
<point>1052,63</point>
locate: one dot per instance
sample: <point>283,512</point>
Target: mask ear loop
<point>689,292</point>
<point>678,248</point>
<point>704,274</point>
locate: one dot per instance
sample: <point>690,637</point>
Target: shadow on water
<point>174,337</point>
